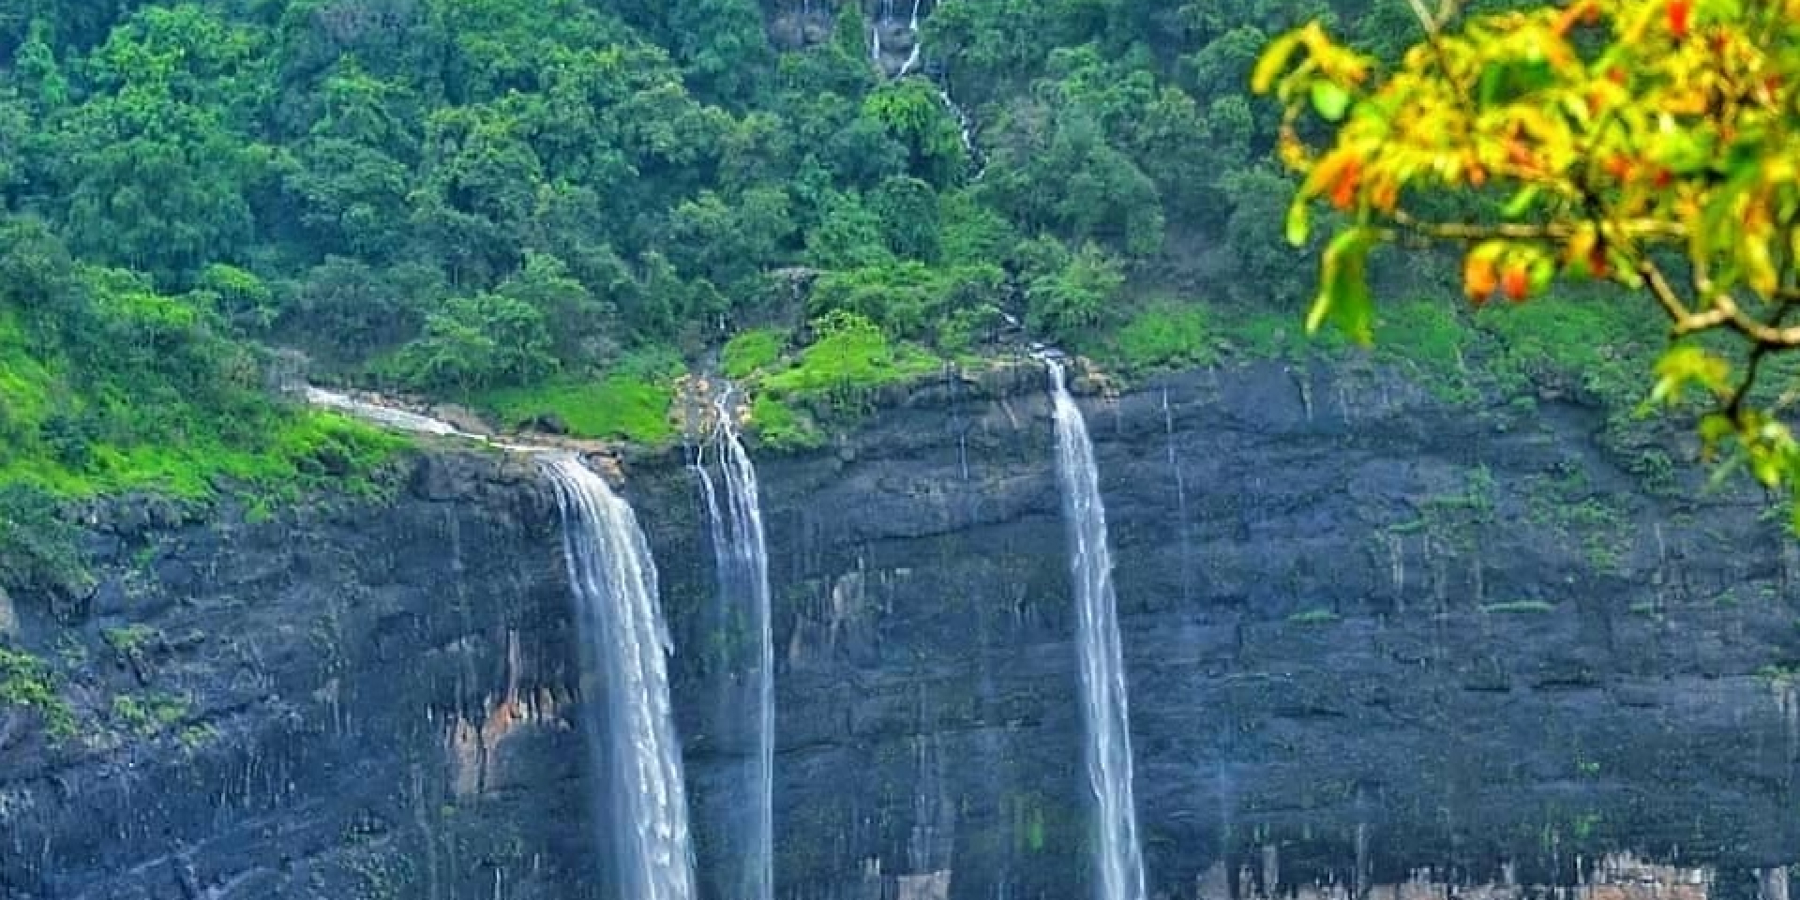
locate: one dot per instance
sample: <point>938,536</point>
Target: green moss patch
<point>620,406</point>
<point>1165,335</point>
<point>851,359</point>
<point>780,427</point>
<point>758,348</point>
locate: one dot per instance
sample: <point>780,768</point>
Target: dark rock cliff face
<point>1365,633</point>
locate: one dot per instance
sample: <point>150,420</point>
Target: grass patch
<point>1429,338</point>
<point>1164,335</point>
<point>1280,335</point>
<point>1517,607</point>
<point>1593,345</point>
<point>758,348</point>
<point>622,405</point>
<point>849,361</point>
<point>149,713</point>
<point>780,427</point>
<point>303,450</point>
<point>27,681</point>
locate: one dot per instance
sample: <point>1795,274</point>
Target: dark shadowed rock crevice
<point>1367,630</point>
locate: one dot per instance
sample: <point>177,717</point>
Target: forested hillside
<point>558,207</point>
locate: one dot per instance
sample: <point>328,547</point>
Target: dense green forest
<point>561,206</point>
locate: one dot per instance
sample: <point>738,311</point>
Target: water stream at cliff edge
<point>640,800</point>
<point>1118,859</point>
<point>741,558</point>
<point>644,811</point>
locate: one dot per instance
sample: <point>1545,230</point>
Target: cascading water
<point>382,415</point>
<point>644,812</point>
<point>741,557</point>
<point>642,808</point>
<point>1118,862</point>
<point>918,43</point>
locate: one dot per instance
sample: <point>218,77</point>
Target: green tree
<point>476,343</point>
<point>1077,295</point>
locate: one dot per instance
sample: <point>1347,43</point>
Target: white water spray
<point>740,552</point>
<point>382,415</point>
<point>644,811</point>
<point>1118,858</point>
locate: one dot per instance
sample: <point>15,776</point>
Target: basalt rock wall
<point>1366,632</point>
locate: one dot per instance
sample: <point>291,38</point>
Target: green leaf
<point>1505,80</point>
<point>1520,204</point>
<point>1330,100</point>
<point>1716,427</point>
<point>1686,152</point>
<point>1541,271</point>
<point>1682,366</point>
<point>1297,226</point>
<point>1344,296</point>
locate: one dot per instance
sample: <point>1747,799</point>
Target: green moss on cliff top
<point>620,405</point>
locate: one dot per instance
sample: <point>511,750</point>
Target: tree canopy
<point>1651,143</point>
<point>542,211</point>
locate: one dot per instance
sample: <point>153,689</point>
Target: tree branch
<point>1464,231</point>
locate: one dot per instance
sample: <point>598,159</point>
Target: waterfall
<point>640,803</point>
<point>382,415</point>
<point>741,558</point>
<point>918,44</point>
<point>1118,860</point>
<point>644,814</point>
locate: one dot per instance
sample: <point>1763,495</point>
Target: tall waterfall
<point>644,815</point>
<point>1118,861</point>
<point>742,560</point>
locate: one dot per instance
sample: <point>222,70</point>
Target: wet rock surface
<point>1365,629</point>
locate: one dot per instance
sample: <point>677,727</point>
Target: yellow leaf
<point>1759,265</point>
<point>1682,366</point>
<point>1274,59</point>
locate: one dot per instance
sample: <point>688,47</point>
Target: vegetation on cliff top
<point>513,206</point>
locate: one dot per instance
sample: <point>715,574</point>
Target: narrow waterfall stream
<point>1118,859</point>
<point>741,559</point>
<point>640,802</point>
<point>398,419</point>
<point>645,815</point>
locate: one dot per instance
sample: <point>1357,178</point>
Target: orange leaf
<point>1679,13</point>
<point>1516,284</point>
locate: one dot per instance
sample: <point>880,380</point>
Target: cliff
<point>1367,633</point>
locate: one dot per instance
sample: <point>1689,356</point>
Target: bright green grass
<point>758,348</point>
<point>308,449</point>
<point>26,385</point>
<point>619,406</point>
<point>1604,346</point>
<point>1429,338</point>
<point>845,366</point>
<point>781,428</point>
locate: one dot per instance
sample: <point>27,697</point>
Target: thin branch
<point>1425,17</point>
<point>1773,336</point>
<point>1434,23</point>
<point>1665,295</point>
<point>1463,231</point>
<point>1734,407</point>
